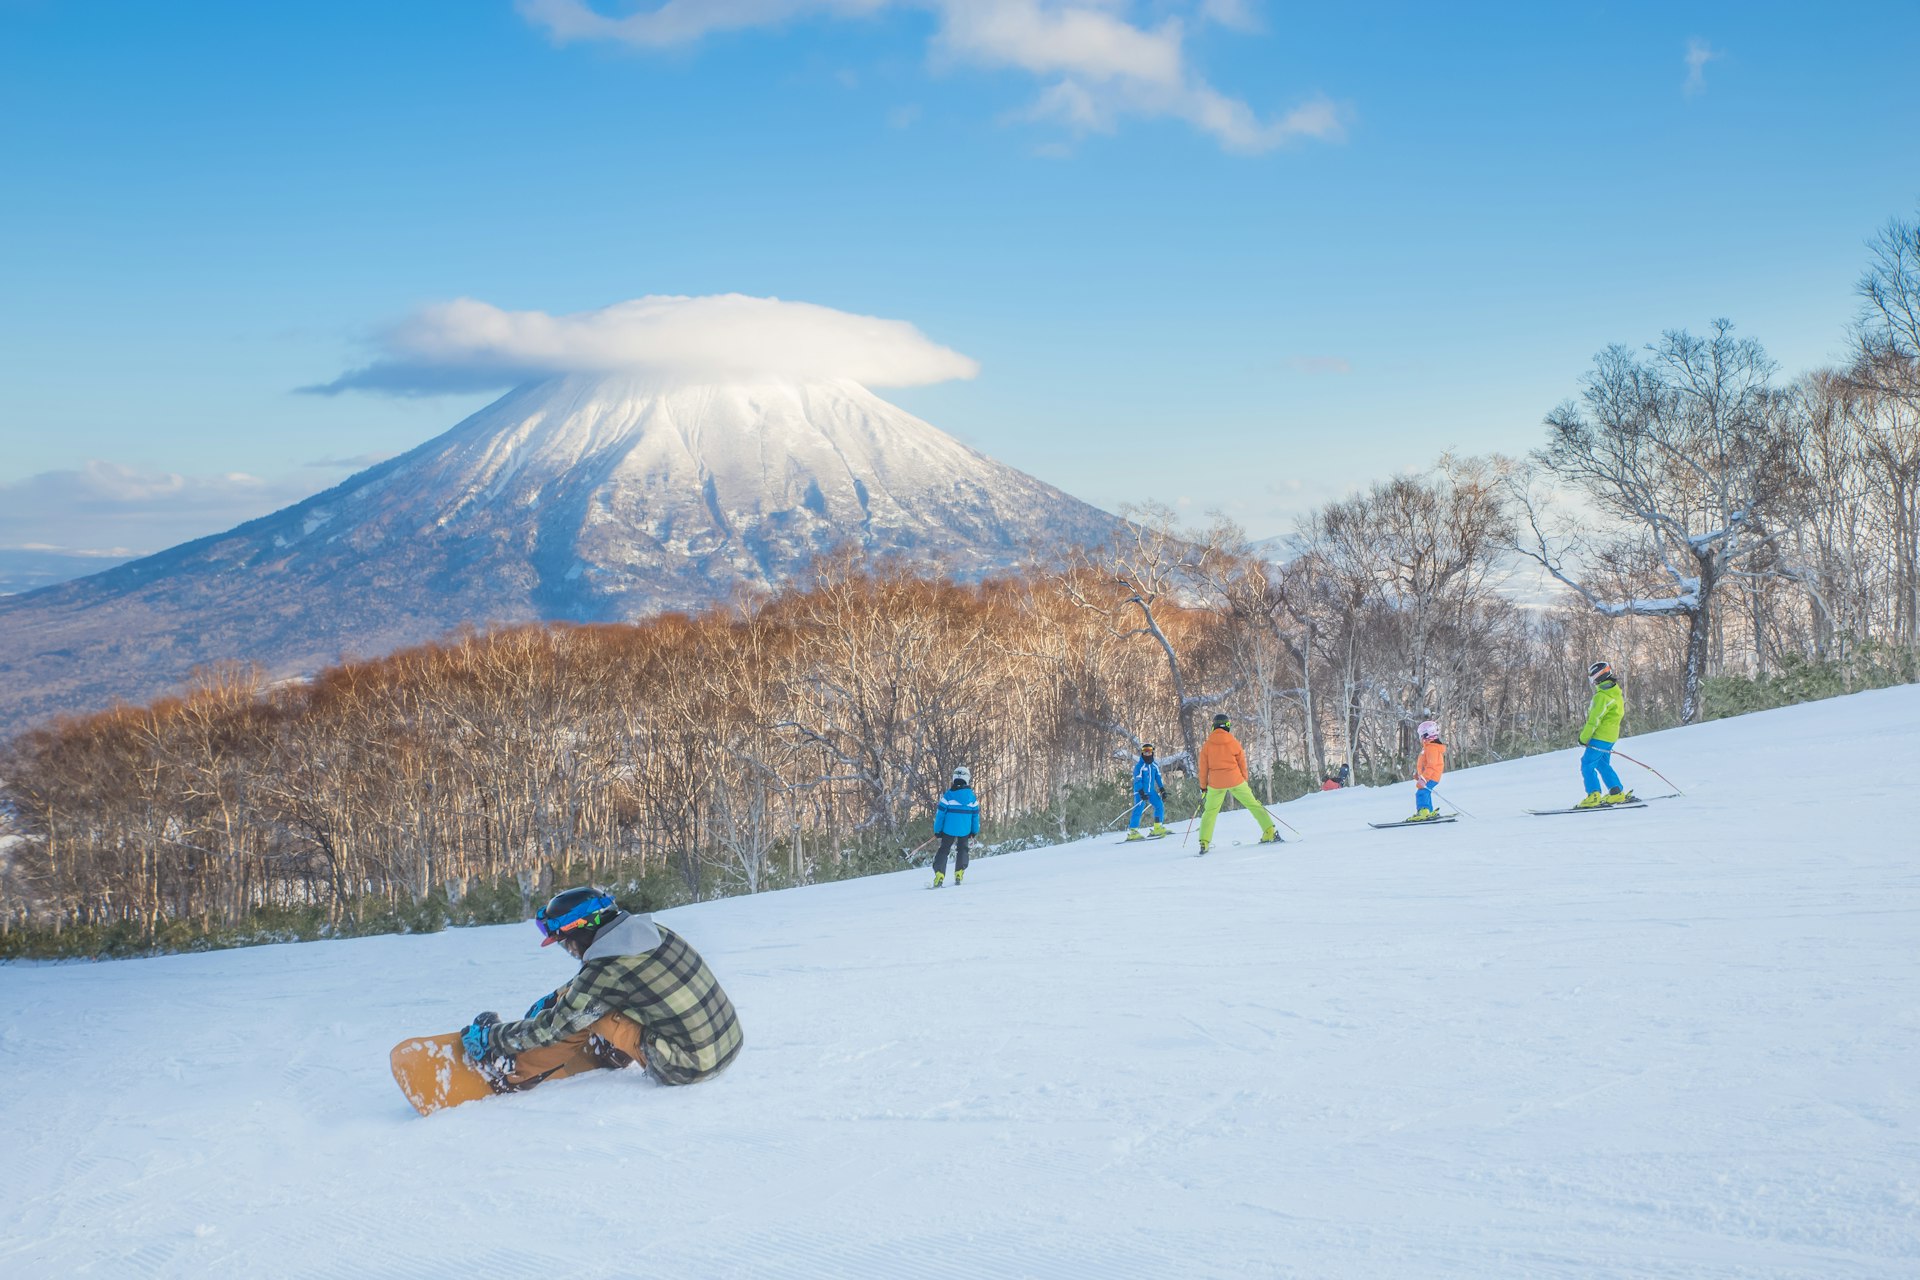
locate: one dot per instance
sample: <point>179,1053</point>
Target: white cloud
<point>467,345</point>
<point>1237,15</point>
<point>1080,41</point>
<point>109,509</point>
<point>1099,65</point>
<point>358,462</point>
<point>679,22</point>
<point>1699,54</point>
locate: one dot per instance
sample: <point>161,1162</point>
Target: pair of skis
<point>1415,822</point>
<point>1277,839</point>
<point>1638,802</point>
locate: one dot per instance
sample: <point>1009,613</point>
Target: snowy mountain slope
<point>578,498</point>
<point>1677,1041</point>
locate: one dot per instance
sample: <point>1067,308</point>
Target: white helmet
<point>963,774</point>
<point>1429,731</point>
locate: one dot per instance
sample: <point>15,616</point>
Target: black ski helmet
<point>1600,671</point>
<point>1223,721</point>
<point>578,913</point>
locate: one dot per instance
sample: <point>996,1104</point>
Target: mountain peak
<point>581,497</point>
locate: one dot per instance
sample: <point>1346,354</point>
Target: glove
<point>1582,741</point>
<point>477,1038</point>
<point>540,1006</point>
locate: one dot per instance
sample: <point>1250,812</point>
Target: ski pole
<point>915,852</point>
<point>1283,822</point>
<point>1456,808</point>
<point>1650,769</point>
<point>1116,817</point>
<point>1195,818</point>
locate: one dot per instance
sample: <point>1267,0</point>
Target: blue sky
<point>1409,231</point>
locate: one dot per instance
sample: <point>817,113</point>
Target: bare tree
<point>1886,410</point>
<point>1150,560</point>
<point>1889,321</point>
<point>1688,448</point>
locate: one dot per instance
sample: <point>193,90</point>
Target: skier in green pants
<point>1223,773</point>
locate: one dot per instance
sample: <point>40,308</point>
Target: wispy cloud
<point>1236,15</point>
<point>1699,54</point>
<point>466,345</point>
<point>1097,65</point>
<point>107,509</point>
<point>358,462</point>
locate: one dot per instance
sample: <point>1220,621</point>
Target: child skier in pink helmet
<point>1427,770</point>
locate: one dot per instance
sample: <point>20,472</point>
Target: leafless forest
<point>1713,529</point>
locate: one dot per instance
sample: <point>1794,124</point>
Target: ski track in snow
<point>1680,1041</point>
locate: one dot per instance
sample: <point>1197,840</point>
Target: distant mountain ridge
<point>573,499</point>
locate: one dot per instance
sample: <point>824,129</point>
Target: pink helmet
<point>1429,731</point>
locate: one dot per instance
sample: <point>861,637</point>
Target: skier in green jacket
<point>1598,735</point>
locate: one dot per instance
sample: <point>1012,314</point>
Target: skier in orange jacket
<point>1223,773</point>
<point>1427,771</point>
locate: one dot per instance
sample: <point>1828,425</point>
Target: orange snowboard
<point>434,1073</point>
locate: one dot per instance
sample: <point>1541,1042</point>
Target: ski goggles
<point>586,913</point>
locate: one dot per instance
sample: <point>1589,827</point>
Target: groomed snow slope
<point>1678,1041</point>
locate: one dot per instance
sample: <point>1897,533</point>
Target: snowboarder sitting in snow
<point>1329,783</point>
<point>642,995</point>
<point>1598,735</point>
<point>1223,773</point>
<point>1427,770</point>
<point>956,820</point>
<point>1149,788</point>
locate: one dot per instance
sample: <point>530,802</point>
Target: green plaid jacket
<point>688,1024</point>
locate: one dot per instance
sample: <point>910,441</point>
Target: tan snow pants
<point>583,1051</point>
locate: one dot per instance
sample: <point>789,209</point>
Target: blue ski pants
<point>1596,766</point>
<point>1141,800</point>
<point>1423,796</point>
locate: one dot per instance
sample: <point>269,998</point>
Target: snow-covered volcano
<point>577,498</point>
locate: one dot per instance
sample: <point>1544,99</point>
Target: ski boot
<point>1593,801</point>
<point>939,878</point>
<point>494,1066</point>
<point>1133,833</point>
<point>1272,837</point>
<point>1423,815</point>
<point>1203,849</point>
<point>958,876</point>
<point>1160,830</point>
<point>1616,796</point>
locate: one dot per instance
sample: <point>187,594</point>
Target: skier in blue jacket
<point>1149,788</point>
<point>956,820</point>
